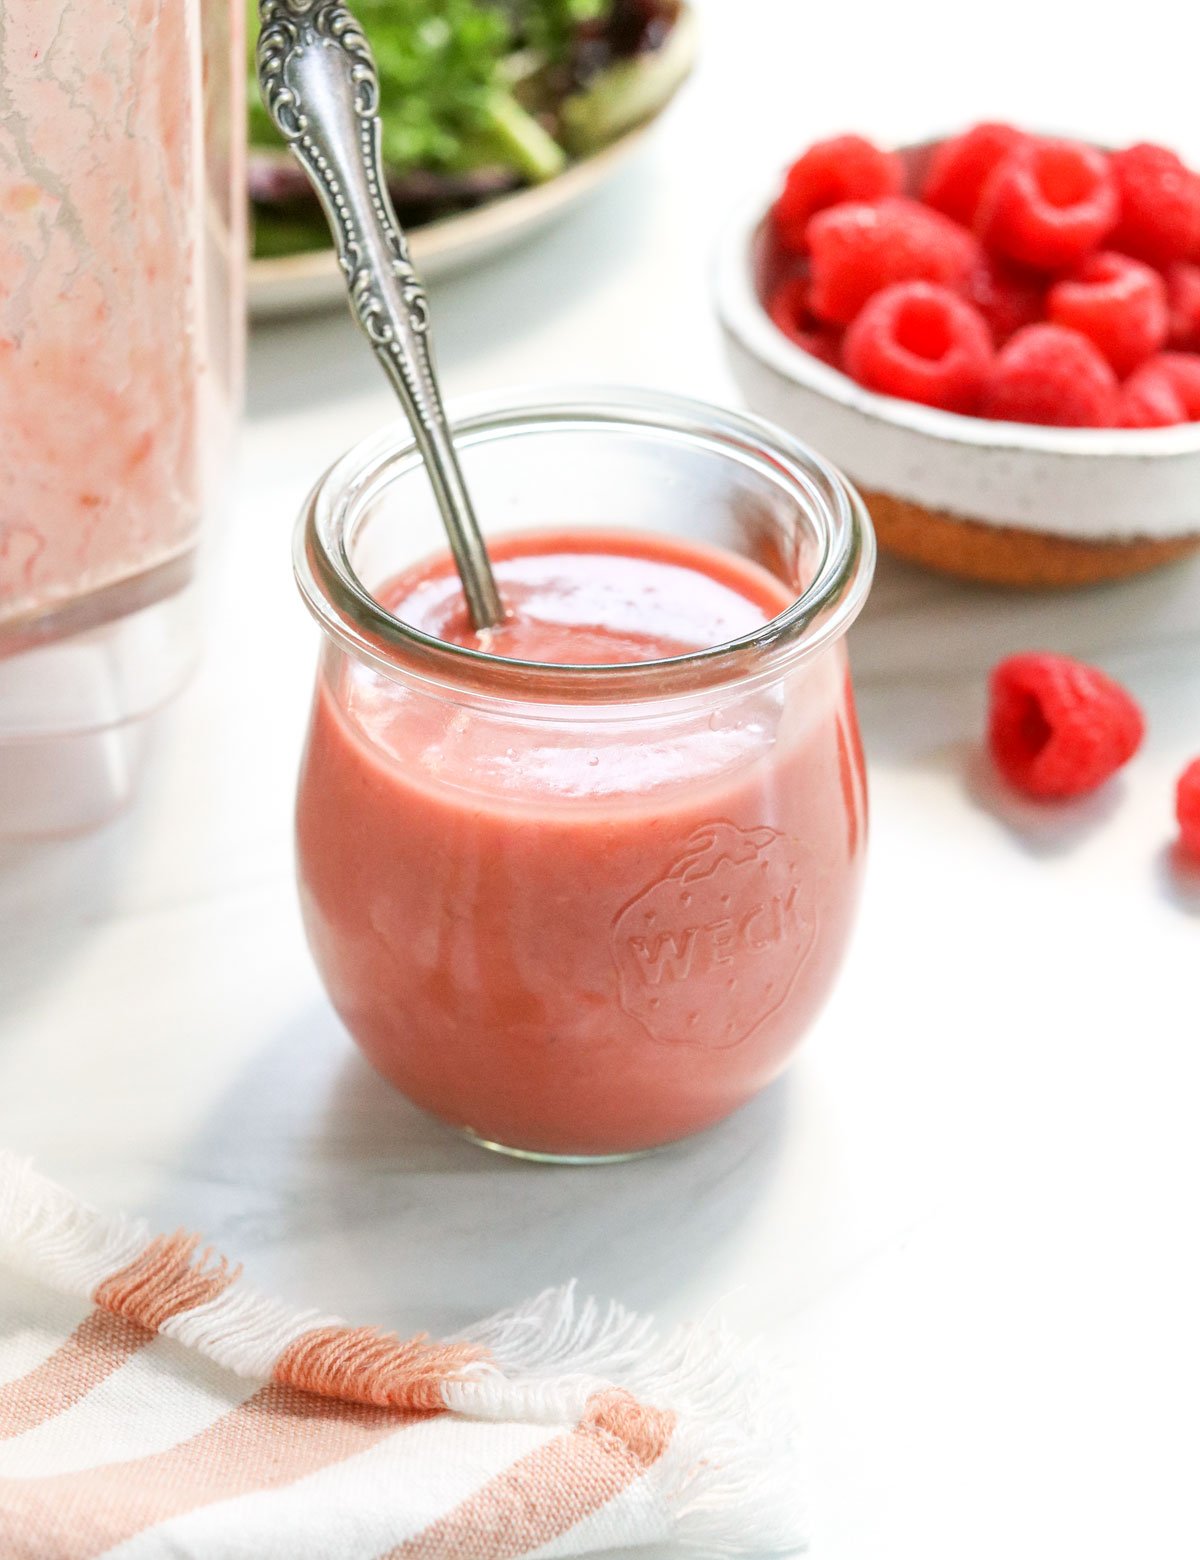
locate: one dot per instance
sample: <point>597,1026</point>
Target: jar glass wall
<point>582,911</point>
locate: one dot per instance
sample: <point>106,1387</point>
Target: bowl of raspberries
<point>995,334</point>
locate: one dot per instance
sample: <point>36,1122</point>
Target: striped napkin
<point>152,1404</point>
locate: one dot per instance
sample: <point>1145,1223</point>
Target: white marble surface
<point>968,1218</point>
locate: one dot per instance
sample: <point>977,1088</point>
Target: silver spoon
<point>318,80</point>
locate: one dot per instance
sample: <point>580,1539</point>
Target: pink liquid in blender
<point>102,327</point>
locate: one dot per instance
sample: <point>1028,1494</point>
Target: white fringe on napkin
<point>558,1428</point>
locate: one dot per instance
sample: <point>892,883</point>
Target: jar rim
<point>352,617</point>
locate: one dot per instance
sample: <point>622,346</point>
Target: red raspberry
<point>825,344</point>
<point>1049,374</point>
<point>829,172</point>
<point>1159,204</point>
<point>1183,305</point>
<point>1148,399</point>
<point>1187,809</point>
<point>923,343</point>
<point>858,249</point>
<point>1006,296</point>
<point>1164,391</point>
<point>788,308</point>
<point>1059,728</point>
<point>1182,370</point>
<point>1117,303</point>
<point>960,167</point>
<point>1048,204</point>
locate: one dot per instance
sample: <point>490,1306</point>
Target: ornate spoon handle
<point>319,83</point>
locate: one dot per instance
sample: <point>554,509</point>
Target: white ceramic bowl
<point>1007,502</point>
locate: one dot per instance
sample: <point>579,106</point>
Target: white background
<point>967,1220</point>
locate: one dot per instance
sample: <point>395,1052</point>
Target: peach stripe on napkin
<point>568,1428</point>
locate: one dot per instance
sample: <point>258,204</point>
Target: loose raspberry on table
<point>1148,399</point>
<point>961,165</point>
<point>847,167</point>
<point>857,249</point>
<point>1007,296</point>
<point>1048,204</point>
<point>1059,728</point>
<point>788,307</point>
<point>1049,374</point>
<point>1183,305</point>
<point>923,343</point>
<point>1118,303</point>
<point>1159,203</point>
<point>1187,809</point>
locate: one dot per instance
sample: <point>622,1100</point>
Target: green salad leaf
<point>447,99</point>
<point>550,25</point>
<point>477,98</point>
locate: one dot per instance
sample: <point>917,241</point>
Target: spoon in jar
<point>320,86</point>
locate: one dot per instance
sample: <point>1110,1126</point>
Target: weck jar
<point>121,327</point>
<point>581,911</point>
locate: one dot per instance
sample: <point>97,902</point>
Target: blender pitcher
<point>121,331</point>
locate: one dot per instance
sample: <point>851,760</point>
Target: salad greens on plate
<point>478,98</point>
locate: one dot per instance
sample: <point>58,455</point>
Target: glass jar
<point>581,911</point>
<point>121,327</point>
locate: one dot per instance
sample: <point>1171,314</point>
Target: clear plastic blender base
<point>74,711</point>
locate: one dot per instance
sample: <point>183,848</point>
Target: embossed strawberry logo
<point>709,951</point>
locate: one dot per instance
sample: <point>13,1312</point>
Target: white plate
<point>298,284</point>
